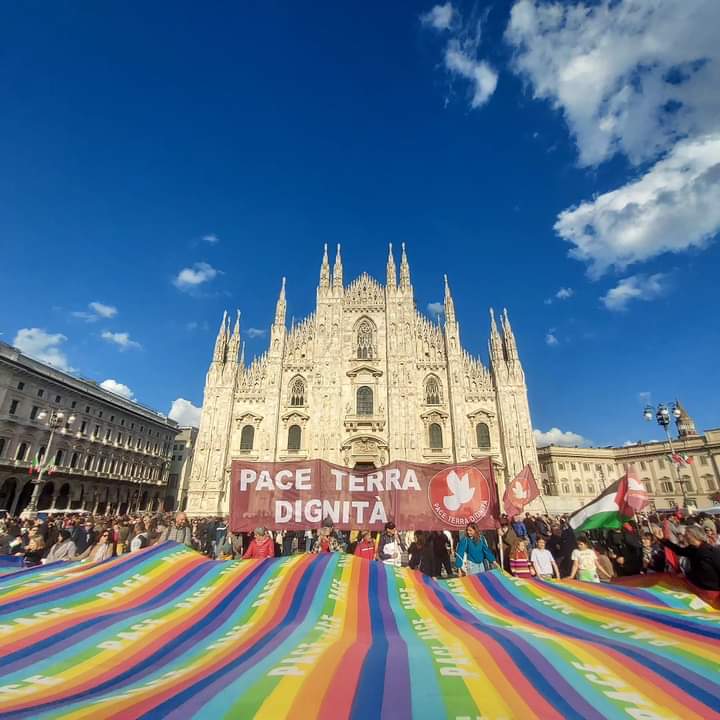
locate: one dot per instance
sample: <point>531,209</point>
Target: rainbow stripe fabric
<point>167,633</point>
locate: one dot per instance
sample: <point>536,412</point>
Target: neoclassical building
<point>364,380</point>
<point>108,454</point>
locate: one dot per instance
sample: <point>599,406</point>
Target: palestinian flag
<point>614,507</point>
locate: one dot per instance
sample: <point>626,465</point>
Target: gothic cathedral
<point>364,380</point>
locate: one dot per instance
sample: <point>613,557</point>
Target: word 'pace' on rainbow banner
<point>301,495</point>
<point>167,633</point>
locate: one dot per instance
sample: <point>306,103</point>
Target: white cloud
<point>630,76</point>
<point>255,332</point>
<point>644,397</point>
<point>564,293</point>
<point>551,338</point>
<point>635,287</point>
<point>674,206</point>
<point>104,311</point>
<point>482,77</point>
<point>185,413</point>
<point>121,339</point>
<point>461,52</point>
<point>197,274</point>
<point>114,386</point>
<point>555,436</point>
<point>42,346</point>
<point>638,78</point>
<point>211,239</point>
<point>436,309</point>
<point>440,17</point>
<point>97,310</point>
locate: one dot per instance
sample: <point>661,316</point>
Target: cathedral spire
<point>325,271</point>
<point>338,272</point>
<point>508,337</point>
<point>281,306</point>
<point>221,341</point>
<point>449,304</point>
<point>391,272</point>
<point>496,346</point>
<point>242,354</point>
<point>404,270</point>
<point>234,344</point>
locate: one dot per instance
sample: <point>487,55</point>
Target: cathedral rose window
<point>297,393</point>
<point>365,340</point>
<point>432,391</point>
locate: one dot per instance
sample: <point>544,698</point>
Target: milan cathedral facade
<point>364,380</point>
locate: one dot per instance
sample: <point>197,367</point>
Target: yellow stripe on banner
<point>488,687</point>
<point>215,650</point>
<point>307,691</point>
<point>602,672</point>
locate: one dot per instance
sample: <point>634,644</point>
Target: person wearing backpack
<point>140,537</point>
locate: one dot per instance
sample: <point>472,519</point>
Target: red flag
<point>521,490</point>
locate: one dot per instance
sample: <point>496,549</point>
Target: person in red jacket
<point>260,547</point>
<point>366,547</point>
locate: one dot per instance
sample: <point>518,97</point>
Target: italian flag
<point>614,507</point>
<point>34,465</point>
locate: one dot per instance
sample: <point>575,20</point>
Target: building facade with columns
<point>114,456</point>
<point>181,460</point>
<point>366,379</point>
<point>571,477</point>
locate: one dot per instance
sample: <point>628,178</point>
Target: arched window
<point>247,437</point>
<point>74,460</point>
<point>436,438</point>
<point>482,434</point>
<point>364,401</point>
<point>297,392</point>
<point>432,391</point>
<point>2,446</point>
<point>294,437</point>
<point>58,457</point>
<point>365,344</point>
<point>21,451</point>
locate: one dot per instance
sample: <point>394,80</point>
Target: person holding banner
<point>473,555</point>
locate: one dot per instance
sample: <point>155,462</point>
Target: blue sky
<point>506,145</point>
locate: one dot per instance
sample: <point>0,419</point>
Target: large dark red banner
<point>302,495</point>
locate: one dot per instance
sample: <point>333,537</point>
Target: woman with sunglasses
<point>102,550</point>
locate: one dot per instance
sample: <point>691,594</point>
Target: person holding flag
<point>615,506</point>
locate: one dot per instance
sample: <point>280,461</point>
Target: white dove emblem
<point>519,491</point>
<point>460,490</point>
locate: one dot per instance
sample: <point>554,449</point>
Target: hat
<point>389,525</point>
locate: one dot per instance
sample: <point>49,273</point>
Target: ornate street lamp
<point>663,415</point>
<point>55,420</point>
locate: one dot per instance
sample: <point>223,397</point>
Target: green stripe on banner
<point>165,632</point>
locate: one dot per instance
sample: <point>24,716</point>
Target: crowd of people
<point>534,546</point>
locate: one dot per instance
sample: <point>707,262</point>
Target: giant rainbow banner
<point>167,633</point>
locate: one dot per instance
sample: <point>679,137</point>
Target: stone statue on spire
<point>404,271</point>
<point>325,272</point>
<point>338,272</point>
<point>391,271</point>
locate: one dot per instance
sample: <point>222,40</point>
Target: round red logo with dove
<point>459,495</point>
